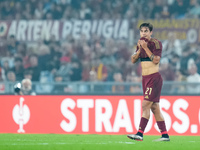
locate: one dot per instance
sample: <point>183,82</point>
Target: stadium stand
<point>83,65</point>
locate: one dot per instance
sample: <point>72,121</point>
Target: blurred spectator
<point>24,88</point>
<point>12,45</point>
<point>118,79</point>
<point>55,12</point>
<point>190,52</point>
<point>59,88</point>
<point>28,11</point>
<point>100,69</point>
<point>18,69</point>
<point>193,77</point>
<point>166,70</point>
<point>55,55</point>
<point>86,71</point>
<point>27,87</point>
<point>95,86</point>
<point>34,67</point>
<point>76,71</point>
<point>165,14</point>
<point>6,10</point>
<point>179,8</point>
<point>46,80</point>
<point>18,7</point>
<point>28,74</point>
<point>44,56</point>
<point>11,77</point>
<point>176,88</point>
<point>4,69</point>
<point>194,12</point>
<point>133,78</point>
<point>65,68</point>
<point>85,12</point>
<point>157,8</point>
<point>1,74</point>
<point>39,11</point>
<point>184,61</point>
<point>132,12</point>
<point>171,46</point>
<point>26,59</point>
<point>9,58</point>
<point>67,13</point>
<point>21,50</point>
<point>86,54</point>
<point>175,62</point>
<point>108,59</point>
<point>2,88</point>
<point>198,59</point>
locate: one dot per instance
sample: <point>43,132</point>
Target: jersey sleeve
<point>137,48</point>
<point>157,48</point>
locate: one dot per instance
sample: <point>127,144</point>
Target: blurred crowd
<point>98,9</point>
<point>97,59</point>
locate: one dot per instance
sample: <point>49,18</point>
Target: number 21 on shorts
<point>148,91</point>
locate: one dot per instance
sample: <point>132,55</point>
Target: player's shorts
<point>152,85</point>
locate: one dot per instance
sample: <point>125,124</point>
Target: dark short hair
<point>148,25</point>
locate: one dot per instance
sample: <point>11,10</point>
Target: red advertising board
<point>95,114</point>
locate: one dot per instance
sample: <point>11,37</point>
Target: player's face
<point>145,32</point>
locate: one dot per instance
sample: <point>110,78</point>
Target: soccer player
<point>149,51</point>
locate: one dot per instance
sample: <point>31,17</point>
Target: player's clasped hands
<point>142,43</point>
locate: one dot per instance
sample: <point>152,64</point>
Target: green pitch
<point>93,142</point>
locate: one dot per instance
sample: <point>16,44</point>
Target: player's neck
<point>149,38</point>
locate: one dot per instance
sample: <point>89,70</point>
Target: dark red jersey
<point>154,45</point>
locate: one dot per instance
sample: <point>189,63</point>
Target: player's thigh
<point>155,108</point>
<point>146,104</point>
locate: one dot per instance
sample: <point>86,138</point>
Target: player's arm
<point>154,58</point>
<point>135,56</point>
